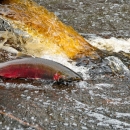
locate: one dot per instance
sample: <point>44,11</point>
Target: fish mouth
<point>70,79</point>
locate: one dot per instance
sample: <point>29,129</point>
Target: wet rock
<point>117,66</point>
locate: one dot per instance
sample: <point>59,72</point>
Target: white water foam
<point>112,44</point>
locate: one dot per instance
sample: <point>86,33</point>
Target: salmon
<point>37,68</point>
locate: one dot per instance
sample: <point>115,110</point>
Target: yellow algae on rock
<point>48,33</point>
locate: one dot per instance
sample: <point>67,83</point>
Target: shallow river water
<point>102,100</point>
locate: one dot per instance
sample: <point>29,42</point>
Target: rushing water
<point>102,100</point>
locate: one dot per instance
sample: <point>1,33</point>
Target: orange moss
<point>38,22</point>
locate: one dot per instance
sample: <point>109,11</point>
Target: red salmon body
<point>36,68</point>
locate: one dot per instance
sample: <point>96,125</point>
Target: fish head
<point>61,77</point>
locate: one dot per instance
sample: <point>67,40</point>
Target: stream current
<point>102,100</point>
